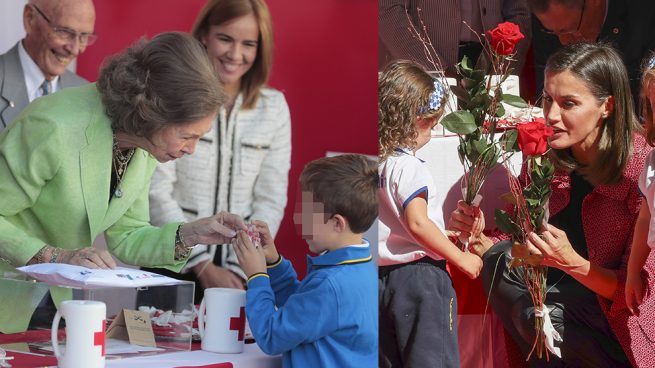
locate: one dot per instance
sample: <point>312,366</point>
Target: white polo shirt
<point>403,177</point>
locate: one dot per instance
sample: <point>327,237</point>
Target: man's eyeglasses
<point>577,29</point>
<point>67,34</point>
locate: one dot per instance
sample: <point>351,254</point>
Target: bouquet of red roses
<point>480,107</point>
<point>529,214</point>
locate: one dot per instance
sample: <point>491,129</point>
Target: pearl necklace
<point>119,163</point>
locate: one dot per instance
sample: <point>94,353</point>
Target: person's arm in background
<point>165,209</point>
<point>269,192</point>
<point>517,11</point>
<point>270,189</point>
<point>394,34</point>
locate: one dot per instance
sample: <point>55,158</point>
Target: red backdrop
<point>325,63</point>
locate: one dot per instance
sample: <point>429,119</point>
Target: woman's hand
<point>211,275</point>
<point>466,220</point>
<point>251,259</point>
<point>217,229</point>
<point>89,257</point>
<point>556,249</point>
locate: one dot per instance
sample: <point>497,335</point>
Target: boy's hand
<point>470,264</point>
<point>251,258</point>
<point>268,246</point>
<point>634,292</point>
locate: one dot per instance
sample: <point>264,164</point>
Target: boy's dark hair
<point>346,185</point>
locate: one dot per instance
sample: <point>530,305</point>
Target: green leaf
<point>480,145</point>
<point>514,100</point>
<point>532,202</point>
<point>500,111</point>
<point>483,62</point>
<point>460,122</point>
<point>481,100</point>
<point>509,140</point>
<point>505,223</point>
<point>461,93</point>
<point>469,83</point>
<point>465,64</point>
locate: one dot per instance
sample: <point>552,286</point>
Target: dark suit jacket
<point>13,92</point>
<point>443,21</point>
<point>629,27</point>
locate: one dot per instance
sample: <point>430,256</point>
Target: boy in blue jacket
<point>330,318</point>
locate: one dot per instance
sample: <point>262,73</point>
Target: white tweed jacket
<point>240,166</point>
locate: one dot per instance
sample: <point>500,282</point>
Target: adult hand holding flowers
<point>554,248</point>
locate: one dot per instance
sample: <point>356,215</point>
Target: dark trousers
<point>588,340</point>
<point>418,316</point>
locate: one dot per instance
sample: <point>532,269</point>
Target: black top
<point>569,220</point>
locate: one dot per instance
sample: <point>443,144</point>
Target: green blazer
<point>55,173</point>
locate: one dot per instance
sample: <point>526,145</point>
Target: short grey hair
<point>153,84</point>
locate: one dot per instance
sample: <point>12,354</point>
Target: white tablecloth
<point>252,357</point>
<point>440,155</point>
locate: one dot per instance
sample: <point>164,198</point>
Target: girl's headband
<point>435,98</point>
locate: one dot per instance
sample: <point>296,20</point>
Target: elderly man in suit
<point>449,24</point>
<point>57,31</point>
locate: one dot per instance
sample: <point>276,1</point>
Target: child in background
<point>644,234</point>
<point>330,318</point>
<point>418,309</point>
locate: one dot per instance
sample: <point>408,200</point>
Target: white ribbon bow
<point>549,330</point>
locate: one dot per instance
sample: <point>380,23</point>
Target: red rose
<point>533,137</point>
<point>504,38</point>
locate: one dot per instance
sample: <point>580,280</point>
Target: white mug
<point>85,334</point>
<point>222,329</point>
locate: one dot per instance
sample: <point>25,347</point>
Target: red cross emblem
<point>239,323</point>
<point>99,338</point>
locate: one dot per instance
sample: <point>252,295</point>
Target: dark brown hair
<point>153,84</point>
<point>346,185</point>
<point>600,67</point>
<point>217,12</point>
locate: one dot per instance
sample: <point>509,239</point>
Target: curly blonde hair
<point>403,88</point>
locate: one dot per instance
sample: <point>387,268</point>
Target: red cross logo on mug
<point>99,337</point>
<point>239,323</point>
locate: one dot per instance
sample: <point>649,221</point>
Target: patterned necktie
<point>45,88</point>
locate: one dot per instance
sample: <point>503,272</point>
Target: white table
<point>252,357</point>
<point>440,155</point>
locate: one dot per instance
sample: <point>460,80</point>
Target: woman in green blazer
<point>78,163</point>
